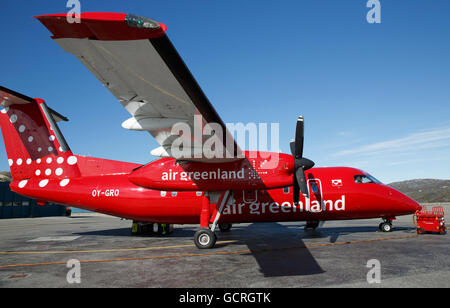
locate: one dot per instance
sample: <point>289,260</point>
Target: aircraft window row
<point>364,179</point>
<point>175,193</point>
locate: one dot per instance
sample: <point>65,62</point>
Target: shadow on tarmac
<point>289,256</point>
<point>273,257</point>
<point>279,250</point>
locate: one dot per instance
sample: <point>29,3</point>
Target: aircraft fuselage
<point>334,195</point>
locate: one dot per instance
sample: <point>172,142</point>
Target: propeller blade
<point>301,164</point>
<point>304,163</point>
<point>301,181</point>
<point>295,191</point>
<point>299,137</point>
<point>292,144</point>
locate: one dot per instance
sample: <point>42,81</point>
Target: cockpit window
<point>364,179</point>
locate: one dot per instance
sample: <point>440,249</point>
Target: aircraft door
<point>316,195</point>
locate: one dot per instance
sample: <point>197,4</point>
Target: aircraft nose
<point>410,204</point>
<point>414,205</point>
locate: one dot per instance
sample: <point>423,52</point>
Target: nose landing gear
<point>386,225</point>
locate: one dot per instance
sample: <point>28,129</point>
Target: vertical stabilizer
<point>34,144</point>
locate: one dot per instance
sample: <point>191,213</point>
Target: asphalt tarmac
<point>35,253</point>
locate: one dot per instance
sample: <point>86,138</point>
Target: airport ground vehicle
<point>430,220</point>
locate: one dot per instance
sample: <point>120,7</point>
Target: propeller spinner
<point>301,164</point>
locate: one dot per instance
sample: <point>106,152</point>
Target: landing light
<point>141,22</point>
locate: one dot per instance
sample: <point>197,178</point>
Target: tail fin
<point>34,144</point>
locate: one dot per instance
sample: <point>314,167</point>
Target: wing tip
<point>98,25</point>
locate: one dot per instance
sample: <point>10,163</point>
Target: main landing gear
<point>206,237</point>
<point>386,225</point>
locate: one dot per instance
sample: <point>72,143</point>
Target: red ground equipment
<point>432,220</point>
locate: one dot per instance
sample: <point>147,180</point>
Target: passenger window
<point>199,193</point>
<point>174,193</point>
<point>163,193</point>
<point>286,190</point>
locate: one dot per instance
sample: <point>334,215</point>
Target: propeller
<point>301,164</point>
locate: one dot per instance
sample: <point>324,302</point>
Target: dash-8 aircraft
<point>134,59</point>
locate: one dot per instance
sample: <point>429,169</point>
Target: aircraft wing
<point>133,57</point>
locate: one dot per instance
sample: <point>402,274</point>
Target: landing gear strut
<point>206,237</point>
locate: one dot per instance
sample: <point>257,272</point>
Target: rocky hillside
<point>425,190</point>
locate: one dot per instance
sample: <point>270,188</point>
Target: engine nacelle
<point>248,173</point>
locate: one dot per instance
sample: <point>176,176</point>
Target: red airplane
<point>133,57</point>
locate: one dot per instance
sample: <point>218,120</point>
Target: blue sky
<point>374,96</point>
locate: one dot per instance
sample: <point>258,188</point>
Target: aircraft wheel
<point>386,227</point>
<point>205,239</point>
<point>225,227</point>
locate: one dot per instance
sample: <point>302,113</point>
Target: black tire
<point>386,227</point>
<point>225,227</point>
<point>205,239</point>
